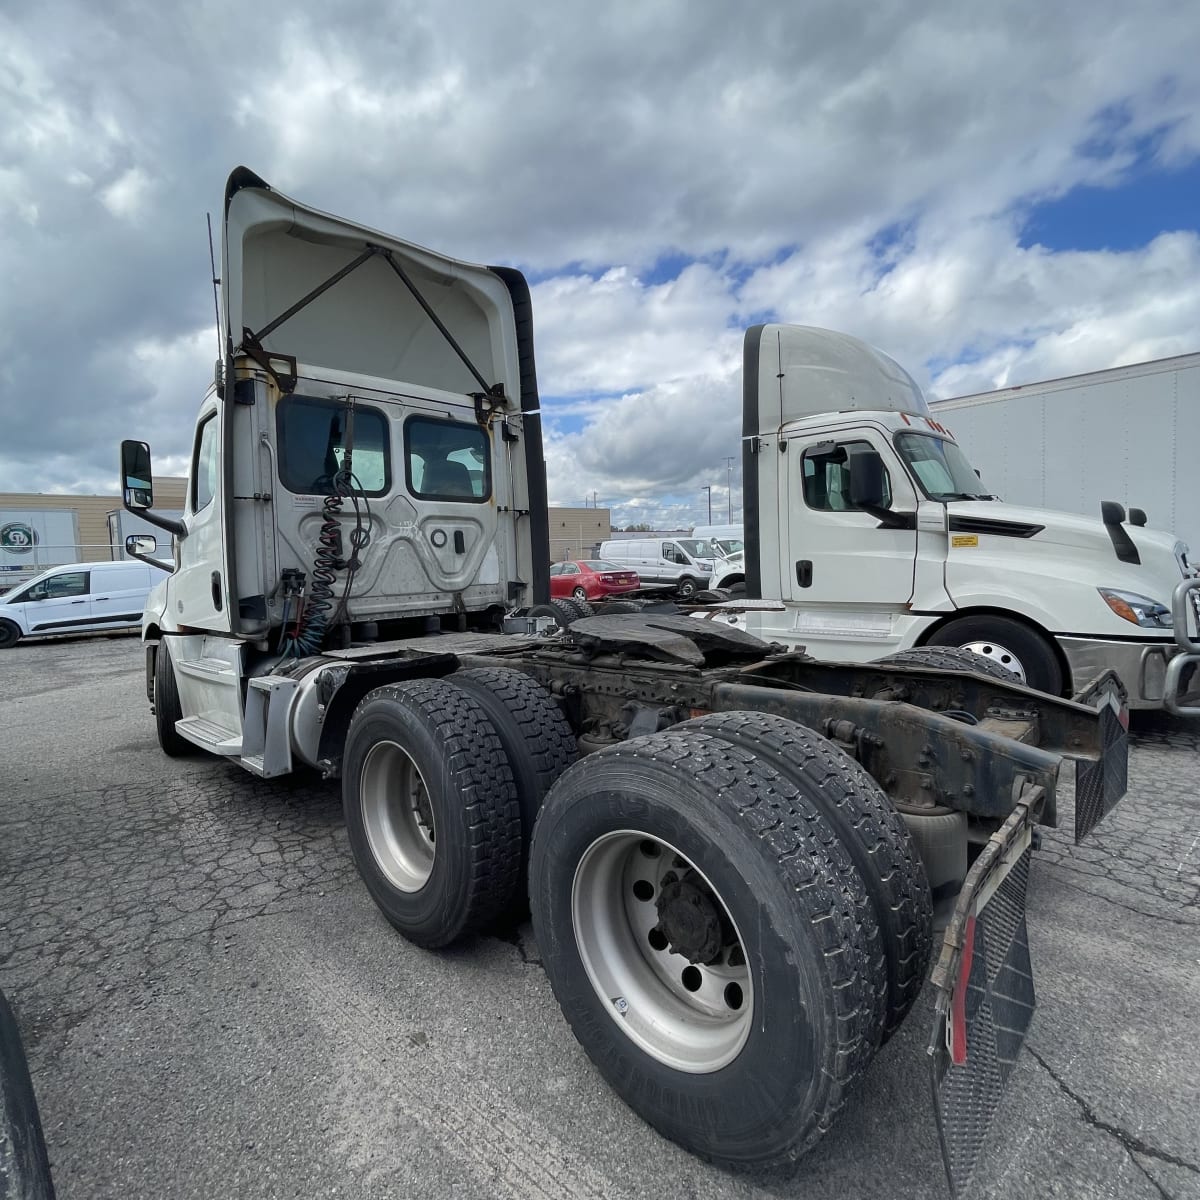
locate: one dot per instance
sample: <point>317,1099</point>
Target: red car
<point>591,579</point>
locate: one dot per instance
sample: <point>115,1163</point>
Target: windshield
<point>941,468</point>
<point>728,547</point>
<point>694,547</point>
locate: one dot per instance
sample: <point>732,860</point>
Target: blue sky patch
<point>1150,201</point>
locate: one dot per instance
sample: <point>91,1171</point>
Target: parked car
<point>684,563</point>
<point>591,579</point>
<point>77,598</point>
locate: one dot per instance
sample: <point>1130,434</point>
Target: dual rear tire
<point>731,915</point>
<point>733,919</point>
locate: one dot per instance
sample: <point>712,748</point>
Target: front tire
<point>10,634</point>
<point>1017,647</point>
<point>167,709</point>
<point>685,589</point>
<point>689,903</point>
<point>431,810</point>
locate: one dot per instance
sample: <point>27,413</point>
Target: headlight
<point>1140,610</point>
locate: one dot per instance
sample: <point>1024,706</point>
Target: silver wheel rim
<point>694,1017</point>
<point>397,816</point>
<point>999,654</point>
<point>579,594</point>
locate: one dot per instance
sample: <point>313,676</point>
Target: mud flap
<point>1101,782</point>
<point>985,996</point>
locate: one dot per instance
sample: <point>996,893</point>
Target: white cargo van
<point>686,563</point>
<point>77,598</point>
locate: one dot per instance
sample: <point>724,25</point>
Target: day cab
<point>869,526</point>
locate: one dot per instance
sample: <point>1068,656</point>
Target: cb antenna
<point>216,282</point>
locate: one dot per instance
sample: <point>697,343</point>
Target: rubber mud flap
<point>985,996</point>
<point>1101,782</point>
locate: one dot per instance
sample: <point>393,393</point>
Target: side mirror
<point>136,476</point>
<point>141,543</point>
<point>867,481</point>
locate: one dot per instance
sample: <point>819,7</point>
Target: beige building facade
<point>578,532</point>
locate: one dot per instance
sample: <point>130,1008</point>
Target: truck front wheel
<point>696,922</point>
<point>167,709</point>
<point>1014,646</point>
<point>686,588</point>
<point>431,810</point>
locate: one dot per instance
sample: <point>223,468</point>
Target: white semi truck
<point>869,526</point>
<point>732,852</point>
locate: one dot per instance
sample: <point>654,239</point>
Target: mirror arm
<point>171,524</point>
<point>161,564</point>
<point>888,519</point>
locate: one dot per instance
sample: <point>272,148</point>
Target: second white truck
<point>871,531</point>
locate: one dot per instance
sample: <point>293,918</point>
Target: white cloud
<point>862,169</point>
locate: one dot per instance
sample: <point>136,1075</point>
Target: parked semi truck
<point>868,525</point>
<point>732,852</point>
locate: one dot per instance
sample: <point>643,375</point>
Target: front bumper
<point>1141,666</point>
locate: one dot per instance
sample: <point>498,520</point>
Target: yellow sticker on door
<point>964,539</point>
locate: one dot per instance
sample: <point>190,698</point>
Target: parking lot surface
<point>213,1007</point>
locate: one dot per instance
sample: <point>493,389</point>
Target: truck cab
<point>868,524</point>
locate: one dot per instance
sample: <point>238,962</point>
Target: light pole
<point>707,488</point>
<point>729,489</point>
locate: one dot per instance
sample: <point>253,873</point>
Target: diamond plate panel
<point>996,1007</point>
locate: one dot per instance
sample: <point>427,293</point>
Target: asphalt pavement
<point>213,1007</point>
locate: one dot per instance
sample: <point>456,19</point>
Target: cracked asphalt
<point>214,1008</point>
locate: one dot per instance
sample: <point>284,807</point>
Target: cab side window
<point>827,476</point>
<point>204,465</point>
<point>670,553</point>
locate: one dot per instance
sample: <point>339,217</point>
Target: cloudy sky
<point>992,194</point>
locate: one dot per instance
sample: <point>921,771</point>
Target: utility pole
<point>729,488</point>
<point>707,488</point>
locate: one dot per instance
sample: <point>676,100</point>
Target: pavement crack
<point>1060,871</point>
<point>1130,1142</point>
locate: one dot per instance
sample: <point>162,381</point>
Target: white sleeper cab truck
<point>733,853</point>
<point>686,564</point>
<point>77,598</point>
<point>868,525</point>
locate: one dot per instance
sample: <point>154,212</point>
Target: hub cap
<point>662,952</point>
<point>999,654</point>
<point>397,816</point>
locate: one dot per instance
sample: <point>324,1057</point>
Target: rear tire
<point>1018,647</point>
<point>579,594</point>
<point>703,1040</point>
<point>537,740</point>
<point>167,709</point>
<point>872,832</point>
<point>10,634</point>
<point>431,810</point>
<point>563,611</point>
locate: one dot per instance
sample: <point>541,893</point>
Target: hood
<point>342,298</point>
<point>1159,552</point>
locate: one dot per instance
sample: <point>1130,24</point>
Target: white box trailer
<point>1126,434</point>
<point>32,539</point>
